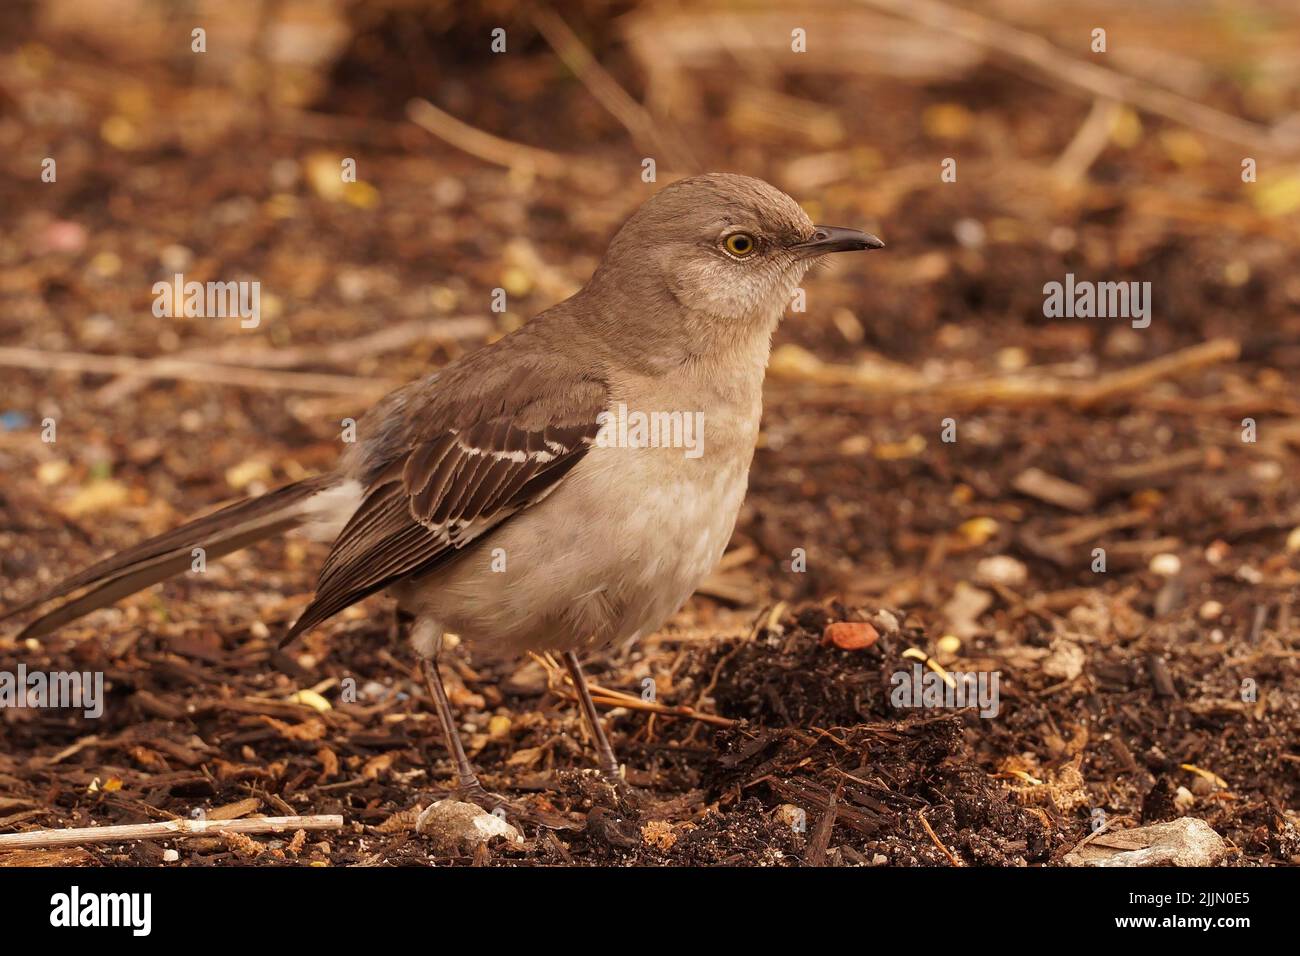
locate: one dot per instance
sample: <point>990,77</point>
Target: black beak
<point>835,239</point>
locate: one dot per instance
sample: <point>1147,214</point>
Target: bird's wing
<point>451,475</point>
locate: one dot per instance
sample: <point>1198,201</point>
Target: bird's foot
<point>615,779</point>
<point>473,792</point>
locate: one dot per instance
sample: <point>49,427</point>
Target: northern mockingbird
<point>551,491</point>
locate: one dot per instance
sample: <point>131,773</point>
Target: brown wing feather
<point>447,491</point>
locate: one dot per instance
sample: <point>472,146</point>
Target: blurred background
<point>479,169</point>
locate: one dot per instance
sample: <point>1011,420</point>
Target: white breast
<point>625,538</point>
<point>617,548</point>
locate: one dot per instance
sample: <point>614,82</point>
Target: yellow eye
<point>740,244</point>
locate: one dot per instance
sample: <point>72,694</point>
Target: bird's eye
<point>740,244</point>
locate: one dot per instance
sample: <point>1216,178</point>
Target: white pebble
<point>885,622</point>
<point>175,258</point>
<point>1001,569</point>
<point>970,233</point>
<point>1250,575</point>
<point>1166,565</point>
<point>457,826</point>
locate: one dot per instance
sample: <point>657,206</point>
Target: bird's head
<point>727,246</point>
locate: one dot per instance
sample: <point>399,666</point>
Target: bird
<point>505,498</point>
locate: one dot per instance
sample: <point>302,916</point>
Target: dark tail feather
<point>220,533</point>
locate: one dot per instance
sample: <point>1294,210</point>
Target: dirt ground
<point>1167,685</point>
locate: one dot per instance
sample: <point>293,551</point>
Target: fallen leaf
<point>96,497</point>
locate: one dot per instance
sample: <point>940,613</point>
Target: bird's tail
<point>220,533</point>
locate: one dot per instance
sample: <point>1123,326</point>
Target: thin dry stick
<point>238,353</point>
<point>634,117</point>
<point>1026,389</point>
<point>1183,361</point>
<point>1088,143</point>
<point>935,837</point>
<point>186,370</point>
<point>485,146</point>
<point>168,829</point>
<point>1029,49</point>
<point>609,698</point>
<point>615,698</point>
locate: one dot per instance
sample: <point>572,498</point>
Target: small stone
<point>1249,574</point>
<point>949,645</point>
<point>1001,569</point>
<point>1066,660</point>
<point>95,497</point>
<point>885,622</point>
<point>170,856</point>
<point>285,174</point>
<point>248,473</point>
<point>353,285</point>
<point>106,264</point>
<point>449,191</point>
<point>63,236</point>
<point>1188,841</point>
<point>1012,359</point>
<point>970,233</point>
<point>1210,611</point>
<point>1166,565</point>
<point>1217,550</point>
<point>52,472</point>
<point>1184,799</point>
<point>1123,343</point>
<point>1266,471</point>
<point>455,827</point>
<point>977,531</point>
<point>1293,540</point>
<point>850,635</point>
<point>855,445</point>
<point>964,608</point>
<point>175,258</point>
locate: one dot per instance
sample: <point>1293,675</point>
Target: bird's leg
<point>468,788</point>
<point>427,641</point>
<point>604,752</point>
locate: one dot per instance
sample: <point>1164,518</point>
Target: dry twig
<point>935,837</point>
<point>485,146</point>
<point>634,117</point>
<point>385,339</point>
<point>1019,390</point>
<point>1046,59</point>
<point>168,829</point>
<point>188,370</point>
